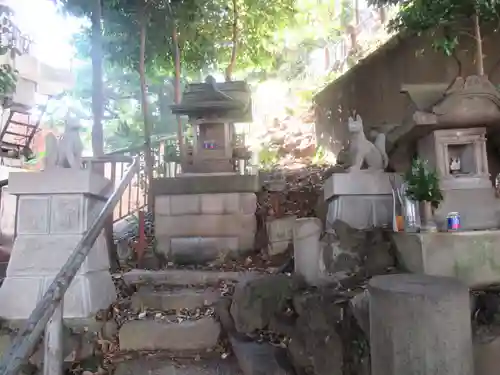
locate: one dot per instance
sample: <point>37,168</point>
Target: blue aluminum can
<point>453,220</point>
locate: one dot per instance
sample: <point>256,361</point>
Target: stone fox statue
<point>362,150</point>
<point>67,152</point>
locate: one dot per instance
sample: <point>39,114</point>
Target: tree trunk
<point>232,62</point>
<point>177,90</point>
<point>97,85</point>
<point>148,157</point>
<point>479,46</point>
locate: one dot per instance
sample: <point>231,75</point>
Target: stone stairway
<point>173,313</point>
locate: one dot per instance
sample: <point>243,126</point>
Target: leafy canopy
<point>417,16</point>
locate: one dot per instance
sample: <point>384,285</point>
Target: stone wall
<point>372,88</point>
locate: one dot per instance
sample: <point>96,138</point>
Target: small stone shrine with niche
<point>452,136</point>
<point>208,211</point>
<point>456,132</point>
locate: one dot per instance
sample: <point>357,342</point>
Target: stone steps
<point>176,299</point>
<point>187,336</point>
<point>179,277</point>
<point>154,366</point>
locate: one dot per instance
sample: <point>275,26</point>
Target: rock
<point>256,301</point>
<point>315,345</point>
<point>157,335</point>
<point>350,250</point>
<point>109,330</point>
<point>486,354</point>
<point>360,307</point>
<point>222,311</point>
<point>166,300</point>
<point>155,366</point>
<point>255,358</point>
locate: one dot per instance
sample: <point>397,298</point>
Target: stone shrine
<point>55,207</point>
<point>208,211</point>
<point>456,132</point>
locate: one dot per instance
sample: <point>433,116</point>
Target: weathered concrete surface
<point>472,257</point>
<point>157,335</point>
<point>185,277</point>
<point>173,299</point>
<point>419,324</point>
<point>155,366</point>
<point>209,183</point>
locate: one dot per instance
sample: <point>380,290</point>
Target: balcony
<point>33,75</point>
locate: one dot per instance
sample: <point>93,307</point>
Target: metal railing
<point>48,313</point>
<point>166,164</point>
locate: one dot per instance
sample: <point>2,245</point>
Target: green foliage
<point>417,16</point>
<point>267,158</point>
<point>8,80</point>
<point>423,183</point>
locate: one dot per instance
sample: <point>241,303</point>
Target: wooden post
<point>53,344</point>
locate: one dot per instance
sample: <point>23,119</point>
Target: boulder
<point>256,302</point>
<point>349,250</point>
<point>315,346</point>
<point>360,307</point>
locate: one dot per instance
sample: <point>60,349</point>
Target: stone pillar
<point>419,325</point>
<point>55,208</point>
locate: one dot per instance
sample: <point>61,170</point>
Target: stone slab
<point>174,299</point>
<point>205,225</point>
<point>472,257</point>
<point>59,181</point>
<point>208,204</point>
<point>363,182</point>
<point>34,255</point>
<point>154,366</point>
<point>419,324</point>
<point>194,335</point>
<point>479,208</point>
<point>185,277</point>
<point>206,184</point>
<point>361,211</point>
<point>202,250</point>
<point>86,295</point>
<point>486,354</point>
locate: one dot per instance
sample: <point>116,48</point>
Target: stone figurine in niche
<point>67,151</point>
<point>364,151</point>
<point>455,165</point>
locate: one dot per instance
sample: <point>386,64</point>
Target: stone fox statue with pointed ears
<point>363,151</point>
<point>67,151</point>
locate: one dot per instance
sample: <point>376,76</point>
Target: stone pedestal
<point>419,325</point>
<point>472,257</point>
<point>361,199</point>
<point>200,218</point>
<point>55,208</point>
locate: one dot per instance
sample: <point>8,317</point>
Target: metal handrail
<point>28,337</point>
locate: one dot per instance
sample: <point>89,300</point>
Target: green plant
<point>8,80</point>
<point>423,183</point>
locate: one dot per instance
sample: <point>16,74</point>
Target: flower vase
<point>427,217</point>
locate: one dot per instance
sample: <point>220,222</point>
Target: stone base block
<point>34,255</point>
<point>478,208</point>
<point>361,211</point>
<point>198,228</point>
<point>472,257</point>
<point>213,183</point>
<point>364,182</point>
<point>86,295</point>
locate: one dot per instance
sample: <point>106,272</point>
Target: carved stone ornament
<point>67,151</point>
<point>363,151</point>
<point>473,101</point>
